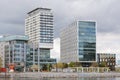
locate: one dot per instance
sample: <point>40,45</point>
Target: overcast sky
<point>106,13</point>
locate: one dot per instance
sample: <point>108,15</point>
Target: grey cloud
<point>11,29</point>
<point>104,12</point>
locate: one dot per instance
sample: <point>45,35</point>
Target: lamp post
<point>5,69</point>
<point>56,67</point>
<point>38,59</point>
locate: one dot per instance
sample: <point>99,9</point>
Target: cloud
<point>13,14</point>
<point>108,43</point>
<point>104,12</point>
<point>10,29</point>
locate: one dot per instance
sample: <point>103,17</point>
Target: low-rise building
<point>13,49</point>
<point>108,59</point>
<point>18,51</point>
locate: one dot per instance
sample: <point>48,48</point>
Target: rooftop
<point>38,9</point>
<point>13,37</point>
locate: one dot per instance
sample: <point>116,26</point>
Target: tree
<point>65,65</point>
<point>49,66</point>
<point>60,65</point>
<point>71,64</point>
<point>54,66</point>
<point>34,67</point>
<point>78,64</point>
<point>44,67</point>
<point>103,64</point>
<point>0,62</point>
<point>74,64</point>
<point>94,64</point>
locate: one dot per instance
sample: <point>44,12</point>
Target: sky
<point>105,13</point>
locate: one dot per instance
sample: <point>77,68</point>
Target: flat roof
<point>14,37</point>
<point>38,9</point>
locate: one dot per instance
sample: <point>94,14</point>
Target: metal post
<point>98,69</point>
<point>13,53</point>
<point>33,53</point>
<point>38,59</point>
<point>9,54</point>
<point>5,66</point>
<point>82,69</point>
<point>56,68</point>
<point>25,53</point>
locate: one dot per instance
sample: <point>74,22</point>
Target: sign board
<point>3,70</point>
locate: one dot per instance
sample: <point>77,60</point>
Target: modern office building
<point>39,28</point>
<point>78,42</point>
<point>108,59</point>
<point>13,49</point>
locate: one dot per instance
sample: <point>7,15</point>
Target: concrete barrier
<point>61,74</point>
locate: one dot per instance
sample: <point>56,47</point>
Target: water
<point>117,78</point>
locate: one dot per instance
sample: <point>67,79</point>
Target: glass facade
<point>45,53</point>
<point>42,57</point>
<point>87,41</point>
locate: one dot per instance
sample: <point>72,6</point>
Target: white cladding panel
<point>46,45</point>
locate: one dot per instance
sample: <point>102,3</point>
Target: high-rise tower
<point>39,28</point>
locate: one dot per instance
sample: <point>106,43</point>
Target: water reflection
<point>60,79</point>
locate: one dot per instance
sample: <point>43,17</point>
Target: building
<point>13,49</point>
<point>78,42</point>
<point>109,59</point>
<point>118,62</point>
<point>117,59</point>
<point>39,28</point>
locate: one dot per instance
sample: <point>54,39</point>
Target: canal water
<point>115,78</point>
